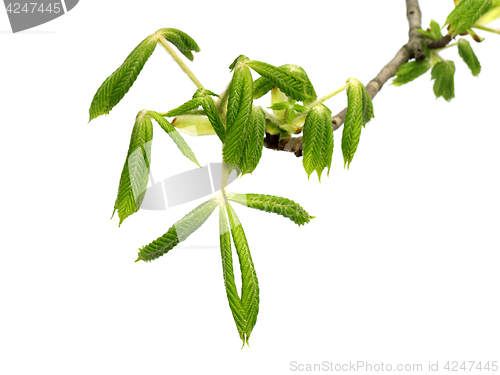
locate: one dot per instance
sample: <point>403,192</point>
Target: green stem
<point>326,97</point>
<point>489,29</point>
<point>179,61</point>
<point>320,100</point>
<point>448,46</point>
<point>195,112</point>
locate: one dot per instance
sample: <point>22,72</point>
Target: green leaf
<point>188,106</point>
<point>241,60</point>
<point>214,118</point>
<point>317,142</point>
<point>261,86</point>
<point>289,115</point>
<point>178,232</point>
<point>114,88</point>
<point>353,120</point>
<point>427,34</point>
<point>299,73</point>
<point>280,106</point>
<point>135,173</point>
<point>443,73</point>
<point>467,54</point>
<point>299,108</point>
<point>465,14</point>
<point>184,43</point>
<point>239,108</point>
<point>270,203</point>
<point>491,15</point>
<point>239,315</point>
<point>286,82</point>
<point>176,137</point>
<point>436,29</point>
<point>368,113</point>
<point>254,141</point>
<point>249,282</point>
<point>410,71</point>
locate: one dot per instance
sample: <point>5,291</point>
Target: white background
<point>400,265</point>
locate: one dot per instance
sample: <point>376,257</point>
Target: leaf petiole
<point>301,115</point>
<point>489,29</point>
<point>179,61</point>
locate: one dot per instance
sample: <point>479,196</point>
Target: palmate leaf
<point>114,88</point>
<point>176,137</point>
<point>443,73</point>
<point>465,14</point>
<point>135,173</point>
<point>239,108</point>
<point>317,141</point>
<point>467,54</point>
<point>357,113</point>
<point>178,232</point>
<point>286,82</point>
<point>270,203</point>
<point>249,282</point>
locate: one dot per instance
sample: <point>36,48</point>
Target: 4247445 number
<point>33,8</point>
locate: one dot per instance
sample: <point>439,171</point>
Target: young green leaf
<point>214,118</point>
<point>249,282</point>
<point>427,34</point>
<point>443,73</point>
<point>114,88</point>
<point>317,143</point>
<point>368,113</point>
<point>465,14</point>
<point>178,232</point>
<point>286,82</point>
<point>353,120</point>
<point>239,108</point>
<point>188,106</point>
<point>299,73</point>
<point>289,115</point>
<point>279,106</point>
<point>270,203</point>
<point>184,43</point>
<point>261,86</point>
<point>299,108</point>
<point>135,173</point>
<point>233,298</point>
<point>176,137</point>
<point>254,140</point>
<point>491,15</point>
<point>410,71</point>
<point>467,54</point>
<point>436,29</point>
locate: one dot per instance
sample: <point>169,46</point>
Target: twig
<point>412,49</point>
